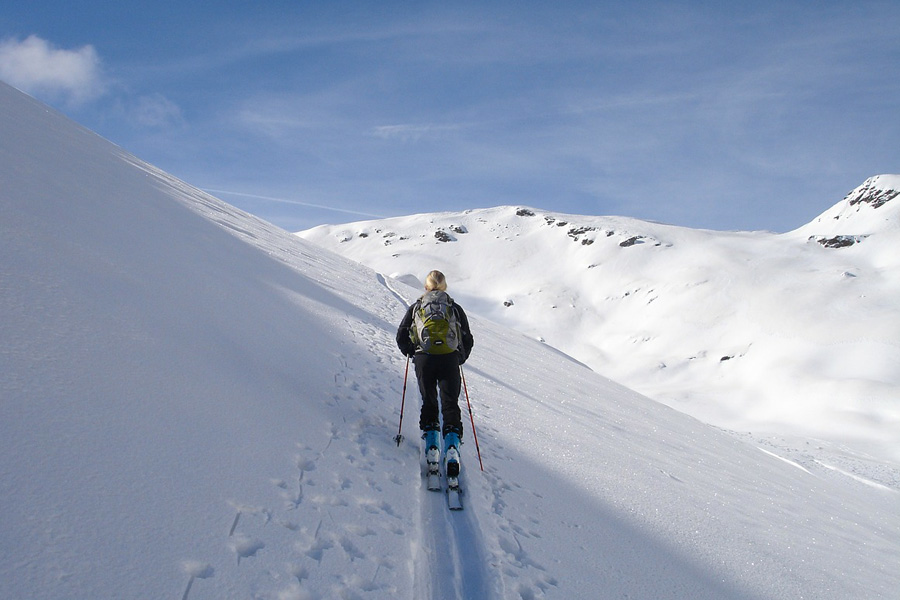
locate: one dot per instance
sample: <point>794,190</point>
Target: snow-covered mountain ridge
<point>861,212</point>
<point>195,404</point>
<point>793,333</point>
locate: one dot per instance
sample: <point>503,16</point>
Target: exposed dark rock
<point>840,241</point>
<point>575,232</point>
<point>442,236</point>
<point>524,212</point>
<point>876,197</point>
<point>580,230</point>
<point>636,239</point>
<point>458,229</point>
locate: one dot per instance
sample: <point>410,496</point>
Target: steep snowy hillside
<point>195,404</point>
<point>790,335</point>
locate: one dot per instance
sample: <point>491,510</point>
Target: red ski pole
<point>399,438</point>
<point>471,418</point>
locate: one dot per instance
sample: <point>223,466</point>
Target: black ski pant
<point>439,372</point>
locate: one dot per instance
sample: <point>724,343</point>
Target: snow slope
<point>783,335</point>
<point>196,404</point>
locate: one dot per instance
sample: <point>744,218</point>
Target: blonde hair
<point>435,281</point>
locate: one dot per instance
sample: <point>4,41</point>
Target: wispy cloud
<point>411,133</point>
<point>276,122</point>
<point>37,67</point>
<point>156,111</point>
<point>295,203</point>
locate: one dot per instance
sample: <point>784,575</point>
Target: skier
<point>437,352</point>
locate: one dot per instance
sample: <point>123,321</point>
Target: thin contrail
<point>296,202</point>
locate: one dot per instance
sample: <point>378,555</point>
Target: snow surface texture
<point>195,404</point>
<point>794,334</point>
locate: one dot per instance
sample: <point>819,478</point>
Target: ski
<point>432,461</point>
<point>454,493</point>
<point>433,482</point>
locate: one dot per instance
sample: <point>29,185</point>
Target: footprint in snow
<point>245,547</point>
<point>360,530</point>
<point>195,569</point>
<point>317,549</point>
<point>351,550</point>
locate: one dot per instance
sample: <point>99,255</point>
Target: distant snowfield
<point>195,404</point>
<point>790,334</point>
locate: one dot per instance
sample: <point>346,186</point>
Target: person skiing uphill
<point>435,333</point>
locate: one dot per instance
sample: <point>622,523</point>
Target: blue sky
<point>720,115</point>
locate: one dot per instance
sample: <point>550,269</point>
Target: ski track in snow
<point>392,288</point>
<point>453,565</point>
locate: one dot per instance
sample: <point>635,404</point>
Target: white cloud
<point>37,67</point>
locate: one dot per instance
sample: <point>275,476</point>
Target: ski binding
<point>432,460</point>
